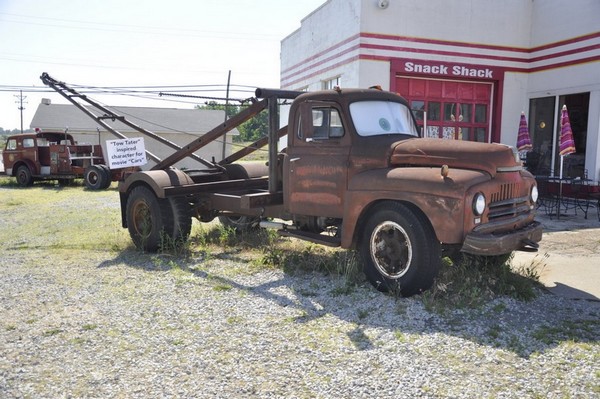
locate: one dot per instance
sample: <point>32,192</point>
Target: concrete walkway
<point>568,259</point>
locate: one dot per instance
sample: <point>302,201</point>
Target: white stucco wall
<point>514,101</point>
<point>497,23</point>
<point>546,47</point>
<point>332,23</point>
<point>556,20</point>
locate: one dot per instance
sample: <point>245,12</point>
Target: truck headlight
<point>479,204</point>
<point>534,194</point>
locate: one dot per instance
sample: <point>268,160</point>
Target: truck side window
<point>327,123</point>
<point>11,145</point>
<point>28,143</point>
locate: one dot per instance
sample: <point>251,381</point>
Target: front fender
<point>25,162</point>
<point>440,199</point>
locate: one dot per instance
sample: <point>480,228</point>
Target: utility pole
<point>21,101</point>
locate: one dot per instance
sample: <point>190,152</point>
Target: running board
<point>312,237</point>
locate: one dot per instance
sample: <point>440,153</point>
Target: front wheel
<point>399,249</point>
<point>24,177</point>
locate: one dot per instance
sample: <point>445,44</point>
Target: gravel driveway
<point>117,324</point>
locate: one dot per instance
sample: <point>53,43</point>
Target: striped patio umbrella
<point>567,144</point>
<point>523,139</point>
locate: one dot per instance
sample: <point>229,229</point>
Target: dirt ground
<point>569,255</point>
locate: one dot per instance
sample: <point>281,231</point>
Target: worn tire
<point>95,177</point>
<point>399,249</point>
<point>107,174</point>
<point>240,222</point>
<point>180,225</point>
<point>24,177</point>
<point>147,218</point>
<point>153,222</point>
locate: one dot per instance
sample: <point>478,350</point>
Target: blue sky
<point>139,43</point>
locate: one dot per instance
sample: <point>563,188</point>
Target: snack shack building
<point>469,68</point>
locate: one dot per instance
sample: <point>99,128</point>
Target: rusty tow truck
<point>355,174</point>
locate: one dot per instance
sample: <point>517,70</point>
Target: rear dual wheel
<point>154,221</point>
<point>96,177</point>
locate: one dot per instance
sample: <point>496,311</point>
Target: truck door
<point>316,164</point>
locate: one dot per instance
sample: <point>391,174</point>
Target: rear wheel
<point>155,222</point>
<point>107,174</point>
<point>24,177</point>
<point>147,217</point>
<point>181,224</point>
<point>95,177</point>
<point>399,249</point>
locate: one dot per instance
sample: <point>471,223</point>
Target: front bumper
<point>525,238</point>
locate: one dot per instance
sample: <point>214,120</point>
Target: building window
<point>332,83</point>
<point>544,128</point>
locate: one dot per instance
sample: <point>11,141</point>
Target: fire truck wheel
<point>148,218</point>
<point>95,177</point>
<point>240,223</point>
<point>399,249</point>
<point>24,177</point>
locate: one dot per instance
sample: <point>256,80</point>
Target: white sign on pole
<point>126,152</point>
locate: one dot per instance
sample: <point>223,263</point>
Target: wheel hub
<point>391,250</point>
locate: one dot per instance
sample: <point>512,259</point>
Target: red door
<point>455,109</point>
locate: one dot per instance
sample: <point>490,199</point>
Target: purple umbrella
<point>567,144</point>
<point>523,139</point>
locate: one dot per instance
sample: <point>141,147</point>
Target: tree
<point>250,130</point>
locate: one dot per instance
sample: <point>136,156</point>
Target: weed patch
<point>475,280</point>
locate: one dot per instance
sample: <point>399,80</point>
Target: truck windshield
<point>372,118</point>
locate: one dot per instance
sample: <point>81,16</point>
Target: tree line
<point>250,130</point>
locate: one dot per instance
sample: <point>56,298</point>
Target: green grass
<point>60,220</point>
<point>54,218</point>
<point>476,280</point>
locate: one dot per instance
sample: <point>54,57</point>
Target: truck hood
<point>491,158</point>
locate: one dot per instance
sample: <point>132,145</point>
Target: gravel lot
<point>112,323</point>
